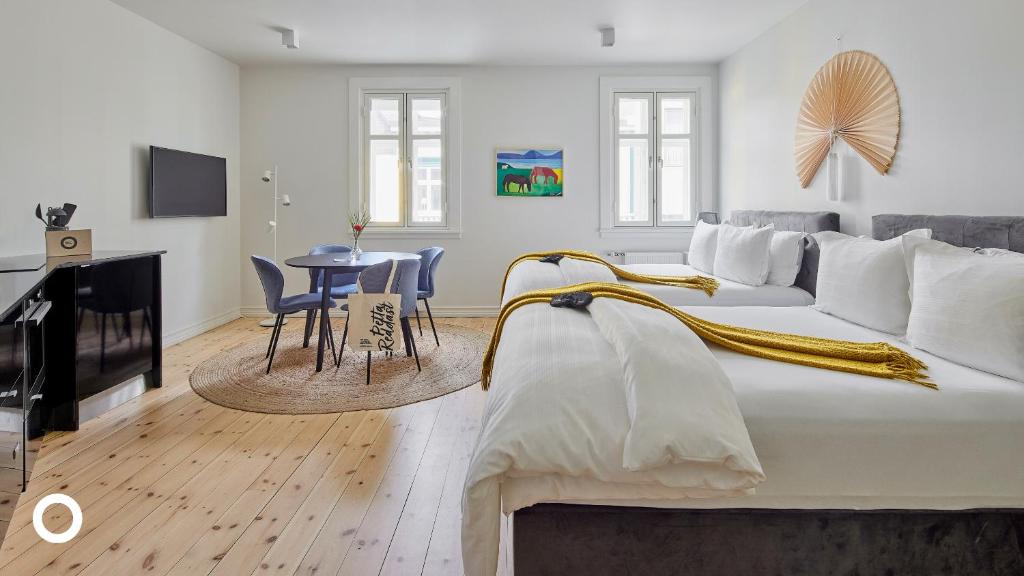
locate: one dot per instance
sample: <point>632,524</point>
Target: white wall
<point>297,117</point>
<point>86,87</point>
<point>959,71</point>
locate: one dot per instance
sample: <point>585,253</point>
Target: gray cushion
<point>301,302</point>
<point>969,231</point>
<point>340,291</point>
<point>808,222</point>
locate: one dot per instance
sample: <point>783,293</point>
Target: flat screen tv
<point>186,184</point>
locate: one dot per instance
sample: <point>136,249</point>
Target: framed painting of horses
<point>530,172</point>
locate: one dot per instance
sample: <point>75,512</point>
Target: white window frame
<point>702,155</point>
<point>360,89</point>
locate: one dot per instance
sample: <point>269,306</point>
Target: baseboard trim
<point>438,311</point>
<point>193,330</point>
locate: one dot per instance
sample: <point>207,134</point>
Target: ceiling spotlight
<point>289,38</point>
<point>607,37</point>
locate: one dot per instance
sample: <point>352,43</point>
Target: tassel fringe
<point>707,285</point>
<point>877,359</point>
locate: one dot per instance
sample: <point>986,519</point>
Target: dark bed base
<point>594,540</point>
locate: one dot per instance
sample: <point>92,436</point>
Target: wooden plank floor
<point>171,484</point>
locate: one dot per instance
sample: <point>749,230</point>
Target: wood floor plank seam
<point>260,535</point>
<point>153,491</point>
<point>201,558</point>
<point>293,534</point>
<point>251,482</point>
<point>175,508</point>
<point>453,463</point>
<point>101,457</point>
<point>163,556</point>
<point>327,543</point>
<point>101,493</point>
<point>364,544</point>
<point>166,394</point>
<point>426,485</point>
<point>86,478</point>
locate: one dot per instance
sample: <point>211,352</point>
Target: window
<point>406,149</point>
<point>404,142</point>
<point>655,182</point>
<point>655,167</point>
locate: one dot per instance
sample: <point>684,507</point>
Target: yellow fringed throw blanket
<point>868,358</point>
<point>708,285</point>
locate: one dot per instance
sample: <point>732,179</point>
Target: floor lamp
<point>271,176</point>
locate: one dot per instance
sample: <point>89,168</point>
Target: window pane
<point>384,179</point>
<point>633,191</point>
<point>633,115</point>
<point>426,116</point>
<point>427,183</point>
<point>384,116</point>
<point>675,115</point>
<point>675,180</point>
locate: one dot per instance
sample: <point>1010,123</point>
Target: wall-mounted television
<point>186,184</point>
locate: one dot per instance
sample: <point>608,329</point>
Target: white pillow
<point>912,243</point>
<point>864,281</point>
<point>969,308</point>
<point>787,253</point>
<point>744,254</point>
<point>702,247</point>
<point>826,235</point>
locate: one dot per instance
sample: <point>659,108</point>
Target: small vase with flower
<point>357,222</point>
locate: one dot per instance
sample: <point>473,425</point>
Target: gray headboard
<point>809,222</point>
<point>969,231</point>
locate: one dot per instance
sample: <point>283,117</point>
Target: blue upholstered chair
<point>273,286</point>
<point>429,259</point>
<point>374,280</point>
<point>341,284</point>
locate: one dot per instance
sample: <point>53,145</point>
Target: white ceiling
<point>468,31</point>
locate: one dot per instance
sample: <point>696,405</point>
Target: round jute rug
<point>235,378</point>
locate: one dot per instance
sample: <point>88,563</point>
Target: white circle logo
<point>40,509</point>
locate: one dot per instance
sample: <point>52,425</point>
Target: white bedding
<point>834,440</point>
<point>614,421</point>
<point>534,275</point>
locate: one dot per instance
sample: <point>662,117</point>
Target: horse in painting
<point>544,173</point>
<point>521,182</point>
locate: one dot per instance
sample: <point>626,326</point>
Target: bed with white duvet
<point>823,439</point>
<point>564,398</point>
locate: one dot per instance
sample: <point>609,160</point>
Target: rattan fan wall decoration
<point>852,97</point>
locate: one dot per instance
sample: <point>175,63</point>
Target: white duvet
<point>624,395</point>
<point>534,275</point>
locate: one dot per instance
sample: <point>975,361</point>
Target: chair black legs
<point>410,341</point>
<point>418,325</point>
<point>368,368</point>
<point>274,337</point>
<point>270,344</point>
<point>341,351</point>
<point>330,340</point>
<point>415,353</point>
<point>431,317</point>
<point>310,325</point>
<point>407,335</point>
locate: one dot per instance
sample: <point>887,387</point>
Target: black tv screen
<point>186,184</point>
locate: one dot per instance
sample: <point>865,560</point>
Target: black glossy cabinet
<point>69,328</point>
<point>104,329</point>
<point>22,379</point>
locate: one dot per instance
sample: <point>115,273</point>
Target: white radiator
<point>653,258</point>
